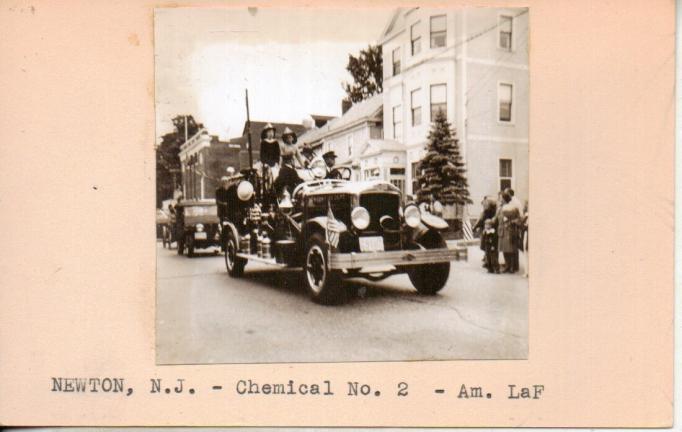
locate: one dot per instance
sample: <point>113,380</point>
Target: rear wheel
<point>323,284</point>
<point>428,279</point>
<point>234,264</point>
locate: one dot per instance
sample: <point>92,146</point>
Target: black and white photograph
<point>341,185</point>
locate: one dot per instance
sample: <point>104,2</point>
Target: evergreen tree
<point>441,173</point>
<point>367,72</point>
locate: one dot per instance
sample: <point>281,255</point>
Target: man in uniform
<point>330,160</point>
<point>221,198</point>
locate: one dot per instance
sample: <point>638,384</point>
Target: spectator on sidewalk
<point>523,240</point>
<point>519,206</point>
<point>488,212</point>
<point>507,220</point>
<point>490,245</point>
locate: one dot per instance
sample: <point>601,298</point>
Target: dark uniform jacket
<point>221,199</point>
<point>269,152</point>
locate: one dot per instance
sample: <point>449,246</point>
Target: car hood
<point>352,187</point>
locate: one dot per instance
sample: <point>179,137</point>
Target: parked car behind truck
<point>197,225</point>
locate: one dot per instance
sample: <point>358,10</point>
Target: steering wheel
<point>341,173</point>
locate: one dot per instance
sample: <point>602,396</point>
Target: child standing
<point>490,240</point>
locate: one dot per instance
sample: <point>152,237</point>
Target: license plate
<point>371,244</point>
<point>200,236</point>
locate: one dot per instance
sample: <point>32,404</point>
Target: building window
<point>397,123</point>
<point>439,101</point>
<point>416,38</point>
<point>505,38</point>
<point>396,61</point>
<point>505,174</point>
<point>416,105</point>
<point>399,183</point>
<point>438,31</point>
<point>504,99</point>
<point>372,173</point>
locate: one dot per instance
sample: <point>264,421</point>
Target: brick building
<point>204,159</point>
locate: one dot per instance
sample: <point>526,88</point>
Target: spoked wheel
<point>234,264</point>
<point>323,284</point>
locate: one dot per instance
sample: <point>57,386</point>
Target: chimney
<point>308,123</point>
<point>345,105</point>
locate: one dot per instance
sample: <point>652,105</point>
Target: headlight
<point>360,218</point>
<point>318,169</point>
<point>412,216</point>
<point>245,190</point>
<point>199,227</point>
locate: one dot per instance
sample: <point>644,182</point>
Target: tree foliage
<point>367,72</point>
<point>442,173</point>
<point>168,156</point>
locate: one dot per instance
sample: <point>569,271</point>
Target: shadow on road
<point>290,281</point>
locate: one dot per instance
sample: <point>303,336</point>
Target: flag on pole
<point>333,230</point>
<point>466,225</point>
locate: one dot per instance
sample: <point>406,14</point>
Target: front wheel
<point>234,264</point>
<point>324,285</point>
<point>428,279</point>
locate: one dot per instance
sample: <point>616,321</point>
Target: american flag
<point>332,229</point>
<point>466,225</point>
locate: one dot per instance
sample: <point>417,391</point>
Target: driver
<point>288,177</point>
<point>330,160</point>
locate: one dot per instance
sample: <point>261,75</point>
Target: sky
<point>292,61</point>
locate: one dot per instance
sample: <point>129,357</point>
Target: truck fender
<point>319,223</point>
<point>427,237</point>
<point>230,226</point>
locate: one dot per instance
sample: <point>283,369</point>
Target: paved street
<point>204,316</point>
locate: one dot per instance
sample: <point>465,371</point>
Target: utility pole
<point>248,130</point>
<point>186,137</point>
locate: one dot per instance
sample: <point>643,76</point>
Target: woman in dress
<point>508,218</point>
<point>288,177</point>
<point>269,147</point>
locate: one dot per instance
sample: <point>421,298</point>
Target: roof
<point>321,117</point>
<point>258,126</point>
<point>395,24</point>
<point>364,111</point>
<point>377,146</point>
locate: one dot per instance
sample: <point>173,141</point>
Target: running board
<point>269,261</point>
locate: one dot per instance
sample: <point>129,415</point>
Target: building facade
<point>204,160</point>
<point>473,65</point>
